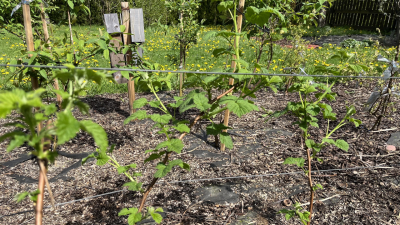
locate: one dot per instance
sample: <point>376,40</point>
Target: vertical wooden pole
<point>29,38</point>
<point>127,41</point>
<point>181,55</point>
<point>233,64</point>
<point>47,40</point>
<point>35,85</point>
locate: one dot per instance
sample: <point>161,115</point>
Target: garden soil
<point>350,196</point>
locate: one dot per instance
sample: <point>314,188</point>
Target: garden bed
<point>355,196</point>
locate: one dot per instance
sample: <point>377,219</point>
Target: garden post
<point>233,64</point>
<point>47,40</point>
<point>182,52</point>
<point>397,14</point>
<point>26,10</point>
<point>127,41</point>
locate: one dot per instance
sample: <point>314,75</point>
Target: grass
<point>164,49</point>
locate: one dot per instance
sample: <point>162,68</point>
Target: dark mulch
<point>363,196</point>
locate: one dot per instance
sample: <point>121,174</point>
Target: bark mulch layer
<point>360,196</point>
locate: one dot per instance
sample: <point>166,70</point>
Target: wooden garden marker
<point>233,64</point>
<point>26,10</point>
<point>137,25</point>
<point>136,28</point>
<point>112,25</point>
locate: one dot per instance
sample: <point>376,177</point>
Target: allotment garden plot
<point>361,186</point>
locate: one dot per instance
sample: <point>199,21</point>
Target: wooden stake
<point>233,64</point>
<point>26,10</point>
<point>47,40</point>
<point>127,41</point>
<point>181,56</point>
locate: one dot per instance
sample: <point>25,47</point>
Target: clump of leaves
<point>306,112</point>
<point>352,43</point>
<point>33,113</point>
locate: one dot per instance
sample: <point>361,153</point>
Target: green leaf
<point>224,6</point>
<point>342,144</point>
<point>152,157</point>
<point>175,145</point>
<point>21,196</point>
<point>10,135</point>
<point>71,4</point>
<point>313,110</point>
<point>102,44</point>
<point>123,169</point>
<point>66,127</point>
<point>182,128</point>
<point>164,119</point>
<point>156,217</point>
<point>84,160</point>
<point>33,195</point>
<point>215,129</point>
<point>133,186</point>
<point>139,103</point>
<point>226,139</point>
<point>17,141</point>
<point>134,215</point>
<point>241,107</point>
<point>356,122</point>
<point>275,79</point>
<point>185,166</point>
<point>124,212</point>
<point>242,62</point>
<point>327,140</point>
<point>83,107</point>
<point>102,158</point>
<point>162,170</point>
<point>140,114</point>
<point>356,68</point>
<point>195,98</point>
<point>106,54</point>
<point>294,161</point>
<point>94,76</point>
<point>97,132</point>
<point>154,104</point>
<point>201,102</point>
<point>122,28</point>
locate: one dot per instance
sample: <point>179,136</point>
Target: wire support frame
<point>196,72</point>
<point>211,179</point>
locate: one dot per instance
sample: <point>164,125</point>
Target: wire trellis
<point>196,72</point>
<point>211,179</point>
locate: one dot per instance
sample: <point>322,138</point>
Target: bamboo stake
<point>127,41</point>
<point>233,64</point>
<point>47,40</point>
<point>26,10</point>
<point>181,56</point>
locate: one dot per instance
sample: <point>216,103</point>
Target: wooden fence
<point>360,14</point>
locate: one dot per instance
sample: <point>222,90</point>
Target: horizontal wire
<point>197,72</point>
<point>207,179</point>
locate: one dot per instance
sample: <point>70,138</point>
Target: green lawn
<point>164,49</point>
